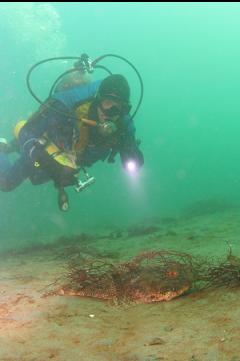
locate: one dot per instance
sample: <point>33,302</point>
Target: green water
<point>189,57</point>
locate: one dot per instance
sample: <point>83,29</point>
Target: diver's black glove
<point>64,176</point>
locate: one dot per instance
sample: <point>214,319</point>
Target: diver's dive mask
<point>112,111</point>
<point>118,108</point>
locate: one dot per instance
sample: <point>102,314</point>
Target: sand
<point>201,326</point>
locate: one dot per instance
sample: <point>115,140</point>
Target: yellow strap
<point>83,138</point>
<point>90,122</point>
<point>61,157</point>
<point>82,114</point>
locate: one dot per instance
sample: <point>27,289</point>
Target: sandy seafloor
<point>201,326</point>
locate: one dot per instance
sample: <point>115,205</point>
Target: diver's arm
<point>48,117</point>
<point>31,133</point>
<point>32,147</point>
<point>62,176</point>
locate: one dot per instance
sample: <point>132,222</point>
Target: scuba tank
<point>83,66</point>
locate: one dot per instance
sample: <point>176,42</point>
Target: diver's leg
<point>12,176</point>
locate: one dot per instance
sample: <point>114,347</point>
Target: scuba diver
<point>79,124</point>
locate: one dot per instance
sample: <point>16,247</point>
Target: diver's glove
<point>3,145</point>
<point>64,176</point>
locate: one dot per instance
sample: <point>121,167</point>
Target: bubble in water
<point>34,25</point>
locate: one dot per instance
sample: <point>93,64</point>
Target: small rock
<point>168,328</point>
<point>193,358</point>
<point>155,341</point>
